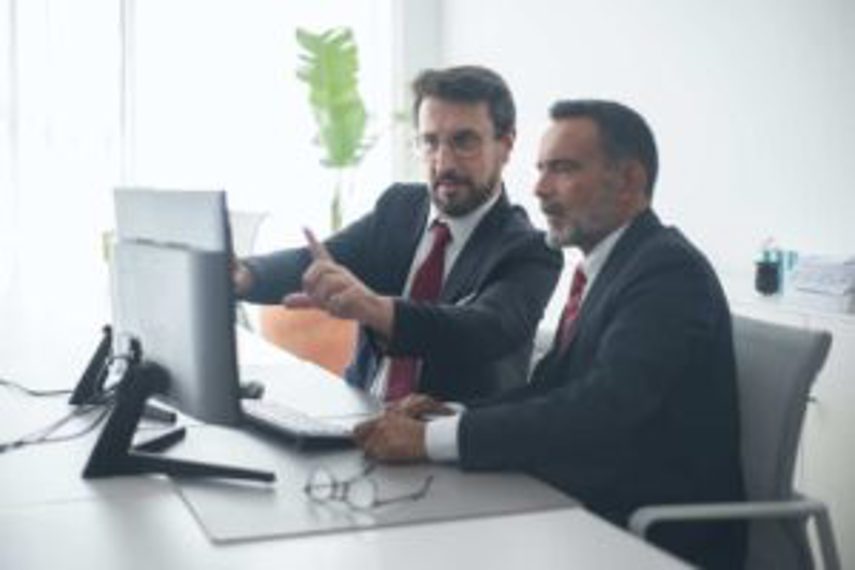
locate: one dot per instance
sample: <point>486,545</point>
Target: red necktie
<point>566,330</point>
<point>427,283</point>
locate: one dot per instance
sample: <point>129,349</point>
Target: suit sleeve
<point>277,274</point>
<point>502,315</point>
<point>661,320</point>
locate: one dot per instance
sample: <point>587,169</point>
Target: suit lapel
<point>399,249</point>
<point>624,249</point>
<point>405,239</point>
<point>641,227</point>
<point>476,251</point>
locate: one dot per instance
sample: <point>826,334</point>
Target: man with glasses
<point>636,403</point>
<point>447,280</point>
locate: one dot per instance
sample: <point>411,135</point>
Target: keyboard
<point>293,425</point>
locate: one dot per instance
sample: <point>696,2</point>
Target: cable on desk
<point>125,357</point>
<point>43,435</point>
<point>31,391</point>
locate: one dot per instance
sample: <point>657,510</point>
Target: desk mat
<point>231,511</point>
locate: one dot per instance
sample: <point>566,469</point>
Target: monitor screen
<point>197,219</point>
<point>172,291</point>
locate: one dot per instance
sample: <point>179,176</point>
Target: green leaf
<point>329,65</point>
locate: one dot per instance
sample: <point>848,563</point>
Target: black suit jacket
<point>641,408</point>
<point>477,339</point>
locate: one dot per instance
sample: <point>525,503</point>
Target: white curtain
<point>168,93</point>
<point>60,96</point>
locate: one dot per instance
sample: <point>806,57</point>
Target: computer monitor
<point>195,219</point>
<point>172,295</point>
<point>172,292</point>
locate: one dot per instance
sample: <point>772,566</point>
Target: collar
<point>596,259</point>
<point>462,227</point>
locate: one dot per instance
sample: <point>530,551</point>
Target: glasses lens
<point>321,485</point>
<point>361,493</point>
<point>461,143</point>
<point>466,142</point>
<point>425,145</point>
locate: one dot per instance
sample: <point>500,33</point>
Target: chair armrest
<point>800,507</point>
<point>645,517</point>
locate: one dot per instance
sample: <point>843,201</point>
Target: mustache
<point>452,178</point>
<point>551,210</point>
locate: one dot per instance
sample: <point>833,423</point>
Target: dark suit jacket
<point>478,338</point>
<point>642,407</point>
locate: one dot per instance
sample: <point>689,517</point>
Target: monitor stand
<point>90,389</point>
<point>91,385</point>
<point>114,452</point>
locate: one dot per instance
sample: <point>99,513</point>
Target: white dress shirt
<point>461,230</point>
<point>441,434</point>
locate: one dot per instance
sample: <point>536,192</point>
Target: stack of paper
<point>824,283</point>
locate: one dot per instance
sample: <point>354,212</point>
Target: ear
<point>507,141</point>
<point>633,177</point>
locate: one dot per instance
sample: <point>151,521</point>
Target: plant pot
<point>310,334</point>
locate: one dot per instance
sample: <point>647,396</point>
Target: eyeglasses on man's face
<point>359,492</point>
<point>465,143</point>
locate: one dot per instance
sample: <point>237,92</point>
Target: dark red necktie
<point>426,286</point>
<point>566,329</point>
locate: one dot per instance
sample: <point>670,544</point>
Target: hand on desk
<point>393,437</point>
<point>420,406</point>
<point>331,287</point>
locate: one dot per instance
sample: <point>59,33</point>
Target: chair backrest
<point>776,365</point>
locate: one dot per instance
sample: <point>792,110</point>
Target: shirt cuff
<point>441,439</point>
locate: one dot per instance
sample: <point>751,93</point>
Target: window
<point>170,93</point>
<point>216,102</point>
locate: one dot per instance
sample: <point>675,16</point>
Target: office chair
<point>244,229</point>
<point>776,366</point>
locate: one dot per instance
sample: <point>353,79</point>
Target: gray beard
<point>560,238</point>
<point>554,240</point>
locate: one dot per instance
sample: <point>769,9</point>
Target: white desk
<point>51,518</point>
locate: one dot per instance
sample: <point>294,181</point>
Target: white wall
<point>753,104</point>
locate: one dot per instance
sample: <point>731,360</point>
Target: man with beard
<point>635,403</point>
<point>448,280</point>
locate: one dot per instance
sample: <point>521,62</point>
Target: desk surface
<point>51,518</point>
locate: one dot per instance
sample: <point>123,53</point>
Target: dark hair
<point>625,134</point>
<point>468,84</point>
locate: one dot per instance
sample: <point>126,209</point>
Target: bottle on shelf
<point>769,269</point>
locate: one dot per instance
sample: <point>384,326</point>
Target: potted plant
<point>329,66</point>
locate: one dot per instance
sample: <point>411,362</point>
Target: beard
<point>560,232</point>
<point>556,238</point>
<point>465,197</point>
<point>584,235</point>
<point>583,226</point>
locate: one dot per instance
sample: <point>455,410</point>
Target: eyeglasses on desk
<point>359,492</point>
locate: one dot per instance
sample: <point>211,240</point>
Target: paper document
<point>826,275</point>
